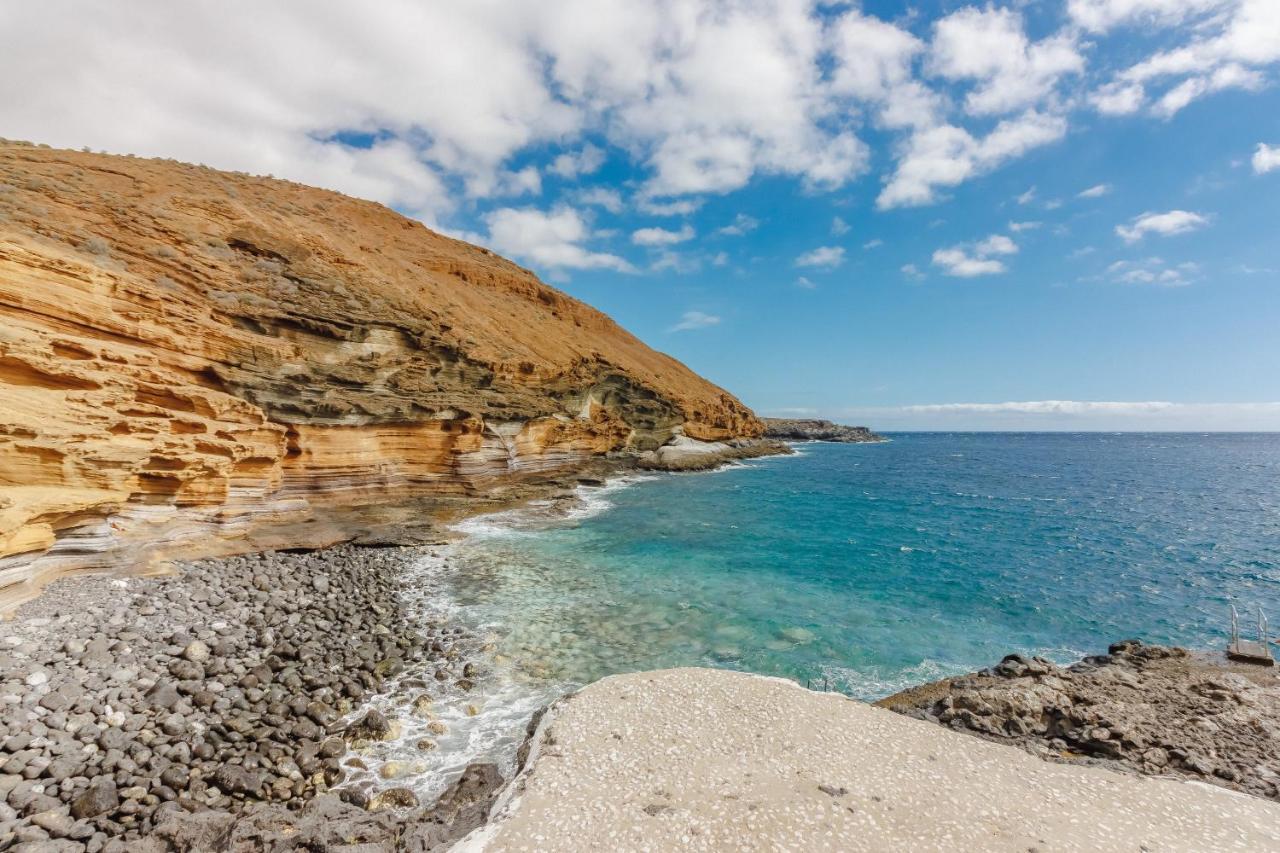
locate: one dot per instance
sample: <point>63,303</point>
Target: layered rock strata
<point>1149,709</point>
<point>799,429</point>
<point>199,362</point>
<point>686,454</point>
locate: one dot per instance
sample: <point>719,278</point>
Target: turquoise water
<point>862,568</point>
<point>874,567</point>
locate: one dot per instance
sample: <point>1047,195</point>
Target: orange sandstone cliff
<point>199,362</point>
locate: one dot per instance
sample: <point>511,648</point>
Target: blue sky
<point>1061,214</point>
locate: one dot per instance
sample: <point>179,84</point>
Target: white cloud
<point>684,264</point>
<point>873,243</point>
<point>990,47</point>
<point>805,283</point>
<point>947,155</point>
<point>996,244</point>
<point>1106,416</point>
<point>1231,76</point>
<point>1266,158</point>
<point>1042,407</point>
<point>1164,224</point>
<point>694,320</point>
<point>662,236</point>
<point>548,239</point>
<point>1153,271</point>
<point>1019,227</point>
<point>824,257</point>
<point>610,200</point>
<point>1028,196</point>
<point>1098,16</point>
<point>742,224</point>
<point>912,271</point>
<point>970,262</point>
<point>679,207</point>
<point>698,96</point>
<point>960,264</point>
<point>585,162</point>
<point>839,227</point>
<point>1097,191</point>
<point>1118,99</point>
<point>1226,51</point>
<point>703,95</point>
<point>720,259</point>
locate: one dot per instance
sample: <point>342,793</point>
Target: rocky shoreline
<point>129,705</point>
<point>1139,708</point>
<point>812,429</point>
<point>225,708</point>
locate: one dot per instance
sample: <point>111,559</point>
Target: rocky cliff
<point>197,362</point>
<point>808,429</point>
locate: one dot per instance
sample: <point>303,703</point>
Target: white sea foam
<point>876,682</point>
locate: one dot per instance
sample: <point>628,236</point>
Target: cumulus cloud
<point>1118,99</point>
<point>960,264</point>
<point>662,236</point>
<point>989,46</point>
<point>703,95</point>
<point>1265,158</point>
<point>1230,42</point>
<point>873,243</point>
<point>1153,271</point>
<point>1019,227</point>
<point>550,239</point>
<point>1164,224</point>
<point>610,200</point>
<point>805,283</point>
<point>699,97</point>
<point>947,155</point>
<point>691,320</point>
<point>976,260</point>
<point>839,227</point>
<point>1098,16</point>
<point>823,257</point>
<point>911,271</point>
<point>741,225</point>
<point>676,207</point>
<point>1097,191</point>
<point>572,164</point>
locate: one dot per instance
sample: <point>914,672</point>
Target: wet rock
<point>372,726</point>
<point>393,798</point>
<point>463,806</point>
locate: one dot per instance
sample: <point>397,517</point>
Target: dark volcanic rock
<point>800,429</point>
<point>101,797</point>
<point>1148,709</point>
<point>212,692</point>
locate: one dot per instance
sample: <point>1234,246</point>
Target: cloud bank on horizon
<point>712,149</point>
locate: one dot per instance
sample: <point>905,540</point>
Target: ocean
<point>863,568</point>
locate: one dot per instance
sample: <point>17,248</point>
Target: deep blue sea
<point>871,567</point>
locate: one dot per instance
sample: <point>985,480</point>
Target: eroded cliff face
<point>197,362</point>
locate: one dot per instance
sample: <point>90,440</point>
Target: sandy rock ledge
<point>699,759</point>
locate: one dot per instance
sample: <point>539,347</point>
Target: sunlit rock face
<point>195,362</point>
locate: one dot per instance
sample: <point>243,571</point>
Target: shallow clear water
<point>873,567</point>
